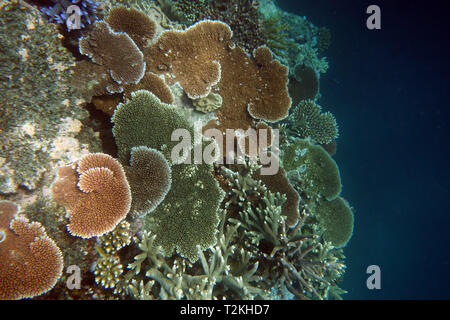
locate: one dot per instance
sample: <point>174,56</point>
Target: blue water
<point>389,91</point>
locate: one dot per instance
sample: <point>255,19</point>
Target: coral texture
<point>37,99</point>
<point>95,192</point>
<point>117,52</point>
<point>152,83</point>
<point>187,217</point>
<point>318,172</point>
<point>337,219</point>
<point>31,263</point>
<point>258,86</point>
<point>309,121</point>
<point>133,22</point>
<point>149,176</point>
<point>304,85</point>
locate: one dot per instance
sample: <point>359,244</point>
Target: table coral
<point>337,220</point>
<point>95,192</point>
<point>317,171</point>
<point>133,22</point>
<point>117,52</point>
<point>308,121</point>
<point>31,262</point>
<point>149,176</point>
<point>188,215</point>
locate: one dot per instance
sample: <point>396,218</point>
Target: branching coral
<point>292,259</point>
<point>31,262</point>
<point>95,192</point>
<point>117,52</point>
<point>308,121</point>
<point>149,176</point>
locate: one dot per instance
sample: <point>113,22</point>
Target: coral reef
<point>38,101</point>
<point>117,52</point>
<point>188,215</point>
<point>149,176</point>
<point>308,121</point>
<point>95,192</point>
<point>336,217</point>
<point>209,103</point>
<point>293,260</point>
<point>154,84</point>
<point>133,22</point>
<point>31,262</point>
<point>304,84</point>
<point>317,171</point>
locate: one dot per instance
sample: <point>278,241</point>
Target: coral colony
<point>88,176</point>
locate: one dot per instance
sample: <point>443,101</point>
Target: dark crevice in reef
<point>101,122</point>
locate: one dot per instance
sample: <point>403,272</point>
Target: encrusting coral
<point>31,263</point>
<point>115,51</point>
<point>38,98</point>
<point>95,192</point>
<point>209,103</point>
<point>149,176</point>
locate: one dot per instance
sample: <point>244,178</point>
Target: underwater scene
<point>210,150</point>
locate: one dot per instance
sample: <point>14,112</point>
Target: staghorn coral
<point>293,259</point>
<point>133,22</point>
<point>317,171</point>
<point>31,262</point>
<point>336,217</point>
<point>115,51</point>
<point>308,121</point>
<point>279,183</point>
<point>95,192</point>
<point>222,271</point>
<point>188,215</point>
<point>32,116</point>
<point>304,84</point>
<point>149,176</point>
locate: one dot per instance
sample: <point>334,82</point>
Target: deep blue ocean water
<point>389,91</point>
